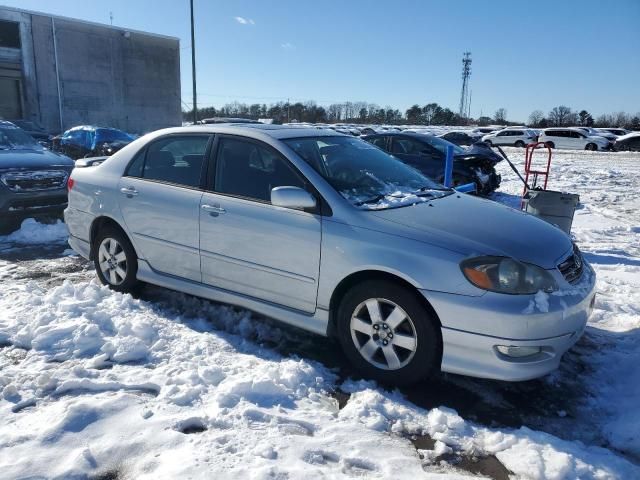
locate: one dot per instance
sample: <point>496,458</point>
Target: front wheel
<point>549,144</point>
<point>591,146</point>
<point>388,334</point>
<point>115,260</point>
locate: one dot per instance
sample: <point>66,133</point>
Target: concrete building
<point>62,72</point>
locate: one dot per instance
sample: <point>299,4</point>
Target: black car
<point>89,141</point>
<point>427,153</point>
<point>33,180</point>
<point>35,130</point>
<point>461,138</point>
<point>629,143</point>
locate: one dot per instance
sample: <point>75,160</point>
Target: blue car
<point>89,141</point>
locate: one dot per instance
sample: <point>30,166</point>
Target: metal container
<point>556,208</point>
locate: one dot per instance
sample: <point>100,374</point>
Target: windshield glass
<point>365,175</point>
<point>111,135</point>
<point>15,138</point>
<point>441,145</point>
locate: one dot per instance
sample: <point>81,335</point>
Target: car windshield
<point>112,135</point>
<point>365,175</point>
<point>14,138</point>
<point>441,144</point>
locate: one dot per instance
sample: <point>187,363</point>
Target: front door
<point>249,246</point>
<point>421,156</point>
<point>160,202</point>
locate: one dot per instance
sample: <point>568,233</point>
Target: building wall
<point>107,76</point>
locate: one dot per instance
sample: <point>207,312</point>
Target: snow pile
<point>32,232</point>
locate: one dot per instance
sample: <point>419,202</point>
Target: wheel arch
<point>367,275</point>
<point>102,222</point>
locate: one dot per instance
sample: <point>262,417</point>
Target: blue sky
<point>526,55</point>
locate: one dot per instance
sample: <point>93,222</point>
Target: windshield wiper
<point>375,199</point>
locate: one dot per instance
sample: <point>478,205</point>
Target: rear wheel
<point>591,146</point>
<point>519,144</point>
<point>388,334</point>
<point>115,260</point>
<point>549,144</point>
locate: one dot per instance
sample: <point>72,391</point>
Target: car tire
<point>115,260</point>
<point>591,147</point>
<point>519,144</point>
<point>400,343</point>
<point>549,144</point>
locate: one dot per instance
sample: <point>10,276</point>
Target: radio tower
<point>466,73</point>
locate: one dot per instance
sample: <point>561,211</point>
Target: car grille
<point>35,180</point>
<point>572,267</point>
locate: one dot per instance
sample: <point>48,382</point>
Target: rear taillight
<point>70,183</point>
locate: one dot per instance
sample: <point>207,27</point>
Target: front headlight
<point>506,275</point>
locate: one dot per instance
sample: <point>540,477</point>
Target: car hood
<point>30,159</point>
<point>474,226</point>
<point>480,150</point>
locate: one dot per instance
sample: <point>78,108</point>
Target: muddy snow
<point>163,385</point>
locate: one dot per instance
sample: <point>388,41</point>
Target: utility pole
<point>111,17</point>
<point>288,111</point>
<point>193,66</point>
<point>466,73</point>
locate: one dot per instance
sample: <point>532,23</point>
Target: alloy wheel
<point>383,334</point>
<point>113,261</point>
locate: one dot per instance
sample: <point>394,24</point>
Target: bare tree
<point>561,116</point>
<point>536,117</point>
<point>500,116</point>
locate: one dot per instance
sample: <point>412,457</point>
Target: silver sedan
<point>328,233</point>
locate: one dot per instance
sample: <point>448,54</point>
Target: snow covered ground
<point>96,384</point>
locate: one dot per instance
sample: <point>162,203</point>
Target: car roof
<point>257,130</point>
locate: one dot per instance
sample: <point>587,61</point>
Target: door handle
<point>213,209</point>
<point>129,191</point>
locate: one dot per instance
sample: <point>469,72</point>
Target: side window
<point>516,133</point>
<point>249,170</point>
<point>380,142</point>
<point>502,134</point>
<point>175,159</point>
<point>407,146</point>
<point>575,135</point>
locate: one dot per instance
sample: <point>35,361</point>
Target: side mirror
<point>292,197</point>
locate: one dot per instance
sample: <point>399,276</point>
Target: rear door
<point>249,246</point>
<point>160,202</point>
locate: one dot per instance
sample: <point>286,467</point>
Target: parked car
<point>33,180</point>
<point>462,137</point>
<point>89,141</point>
<point>427,154</point>
<point>485,130</point>
<point>35,130</point>
<point>517,137</point>
<point>597,133</point>
<point>573,138</point>
<point>326,232</point>
<point>618,132</point>
<point>629,142</point>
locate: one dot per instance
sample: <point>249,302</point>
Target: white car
<point>518,137</point>
<point>598,133</point>
<point>573,138</point>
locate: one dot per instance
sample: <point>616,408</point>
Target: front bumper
<point>472,328</point>
<point>21,204</point>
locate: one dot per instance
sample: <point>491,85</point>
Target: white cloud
<point>244,21</point>
<point>288,46</point>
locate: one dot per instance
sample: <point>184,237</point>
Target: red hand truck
<point>529,170</point>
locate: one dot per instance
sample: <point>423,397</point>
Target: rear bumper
<point>473,328</point>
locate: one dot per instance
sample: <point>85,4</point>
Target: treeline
<point>429,114</point>
<point>563,116</point>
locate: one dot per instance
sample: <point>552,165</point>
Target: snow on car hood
<point>475,226</point>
